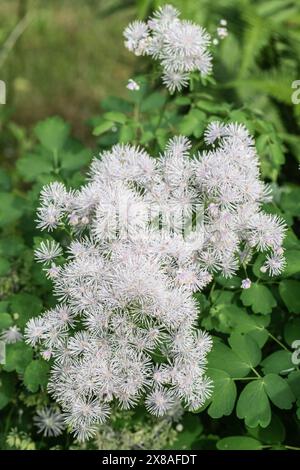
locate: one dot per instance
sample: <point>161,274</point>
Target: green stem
<point>245,378</point>
<point>278,342</point>
<point>212,289</point>
<point>256,373</point>
<point>55,159</point>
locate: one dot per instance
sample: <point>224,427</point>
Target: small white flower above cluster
<point>180,46</point>
<point>132,85</point>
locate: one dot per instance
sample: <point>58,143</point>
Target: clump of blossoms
<point>180,46</point>
<point>145,234</point>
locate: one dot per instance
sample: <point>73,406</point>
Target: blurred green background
<point>62,56</point>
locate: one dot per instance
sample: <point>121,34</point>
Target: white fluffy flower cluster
<point>180,46</point>
<point>126,325</point>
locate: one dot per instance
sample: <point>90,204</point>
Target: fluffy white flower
<point>126,287</point>
<point>180,46</point>
<point>49,422</point>
<point>135,35</point>
<point>47,251</point>
<point>11,335</point>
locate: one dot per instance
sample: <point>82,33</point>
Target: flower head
<point>125,289</point>
<point>180,46</point>
<point>49,421</point>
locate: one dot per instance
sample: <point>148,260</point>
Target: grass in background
<point>68,57</point>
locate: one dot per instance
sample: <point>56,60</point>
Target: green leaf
<point>127,133</point>
<point>272,434</point>
<point>277,362</point>
<point>260,298</point>
<point>230,283</point>
<point>11,208</point>
<point>36,375</point>
<point>4,266</point>
<point>5,321</point>
<point>7,388</point>
<point>153,102</point>
<point>253,405</point>
<point>103,127</point>
<point>294,383</point>
<point>292,263</point>
<point>17,358</point>
<point>289,292</point>
<point>25,306</point>
<point>279,391</point>
<point>290,200</point>
<point>192,429</point>
<point>192,122</point>
<point>112,103</point>
<point>223,358</point>
<point>276,153</point>
<point>33,166</point>
<point>12,246</point>
<point>246,348</point>
<point>224,394</point>
<point>5,182</point>
<point>258,263</point>
<point>75,161</point>
<point>52,133</point>
<point>291,331</point>
<point>115,116</point>
<point>239,443</point>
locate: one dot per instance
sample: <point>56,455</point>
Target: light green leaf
<point>32,166</point>
<point>127,133</point>
<point>36,375</point>
<point>292,258</point>
<point>192,122</point>
<point>279,391</point>
<point>224,394</point>
<point>289,292</point>
<point>153,102</point>
<point>246,348</point>
<point>272,434</point>
<point>52,133</point>
<point>291,331</point>
<point>17,357</point>
<point>25,306</point>
<point>277,362</point>
<point>294,383</point>
<point>5,321</point>
<point>239,443</point>
<point>260,298</point>
<point>103,127</point>
<point>253,405</point>
<point>75,161</point>
<point>11,208</point>
<point>115,116</point>
<point>223,358</point>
